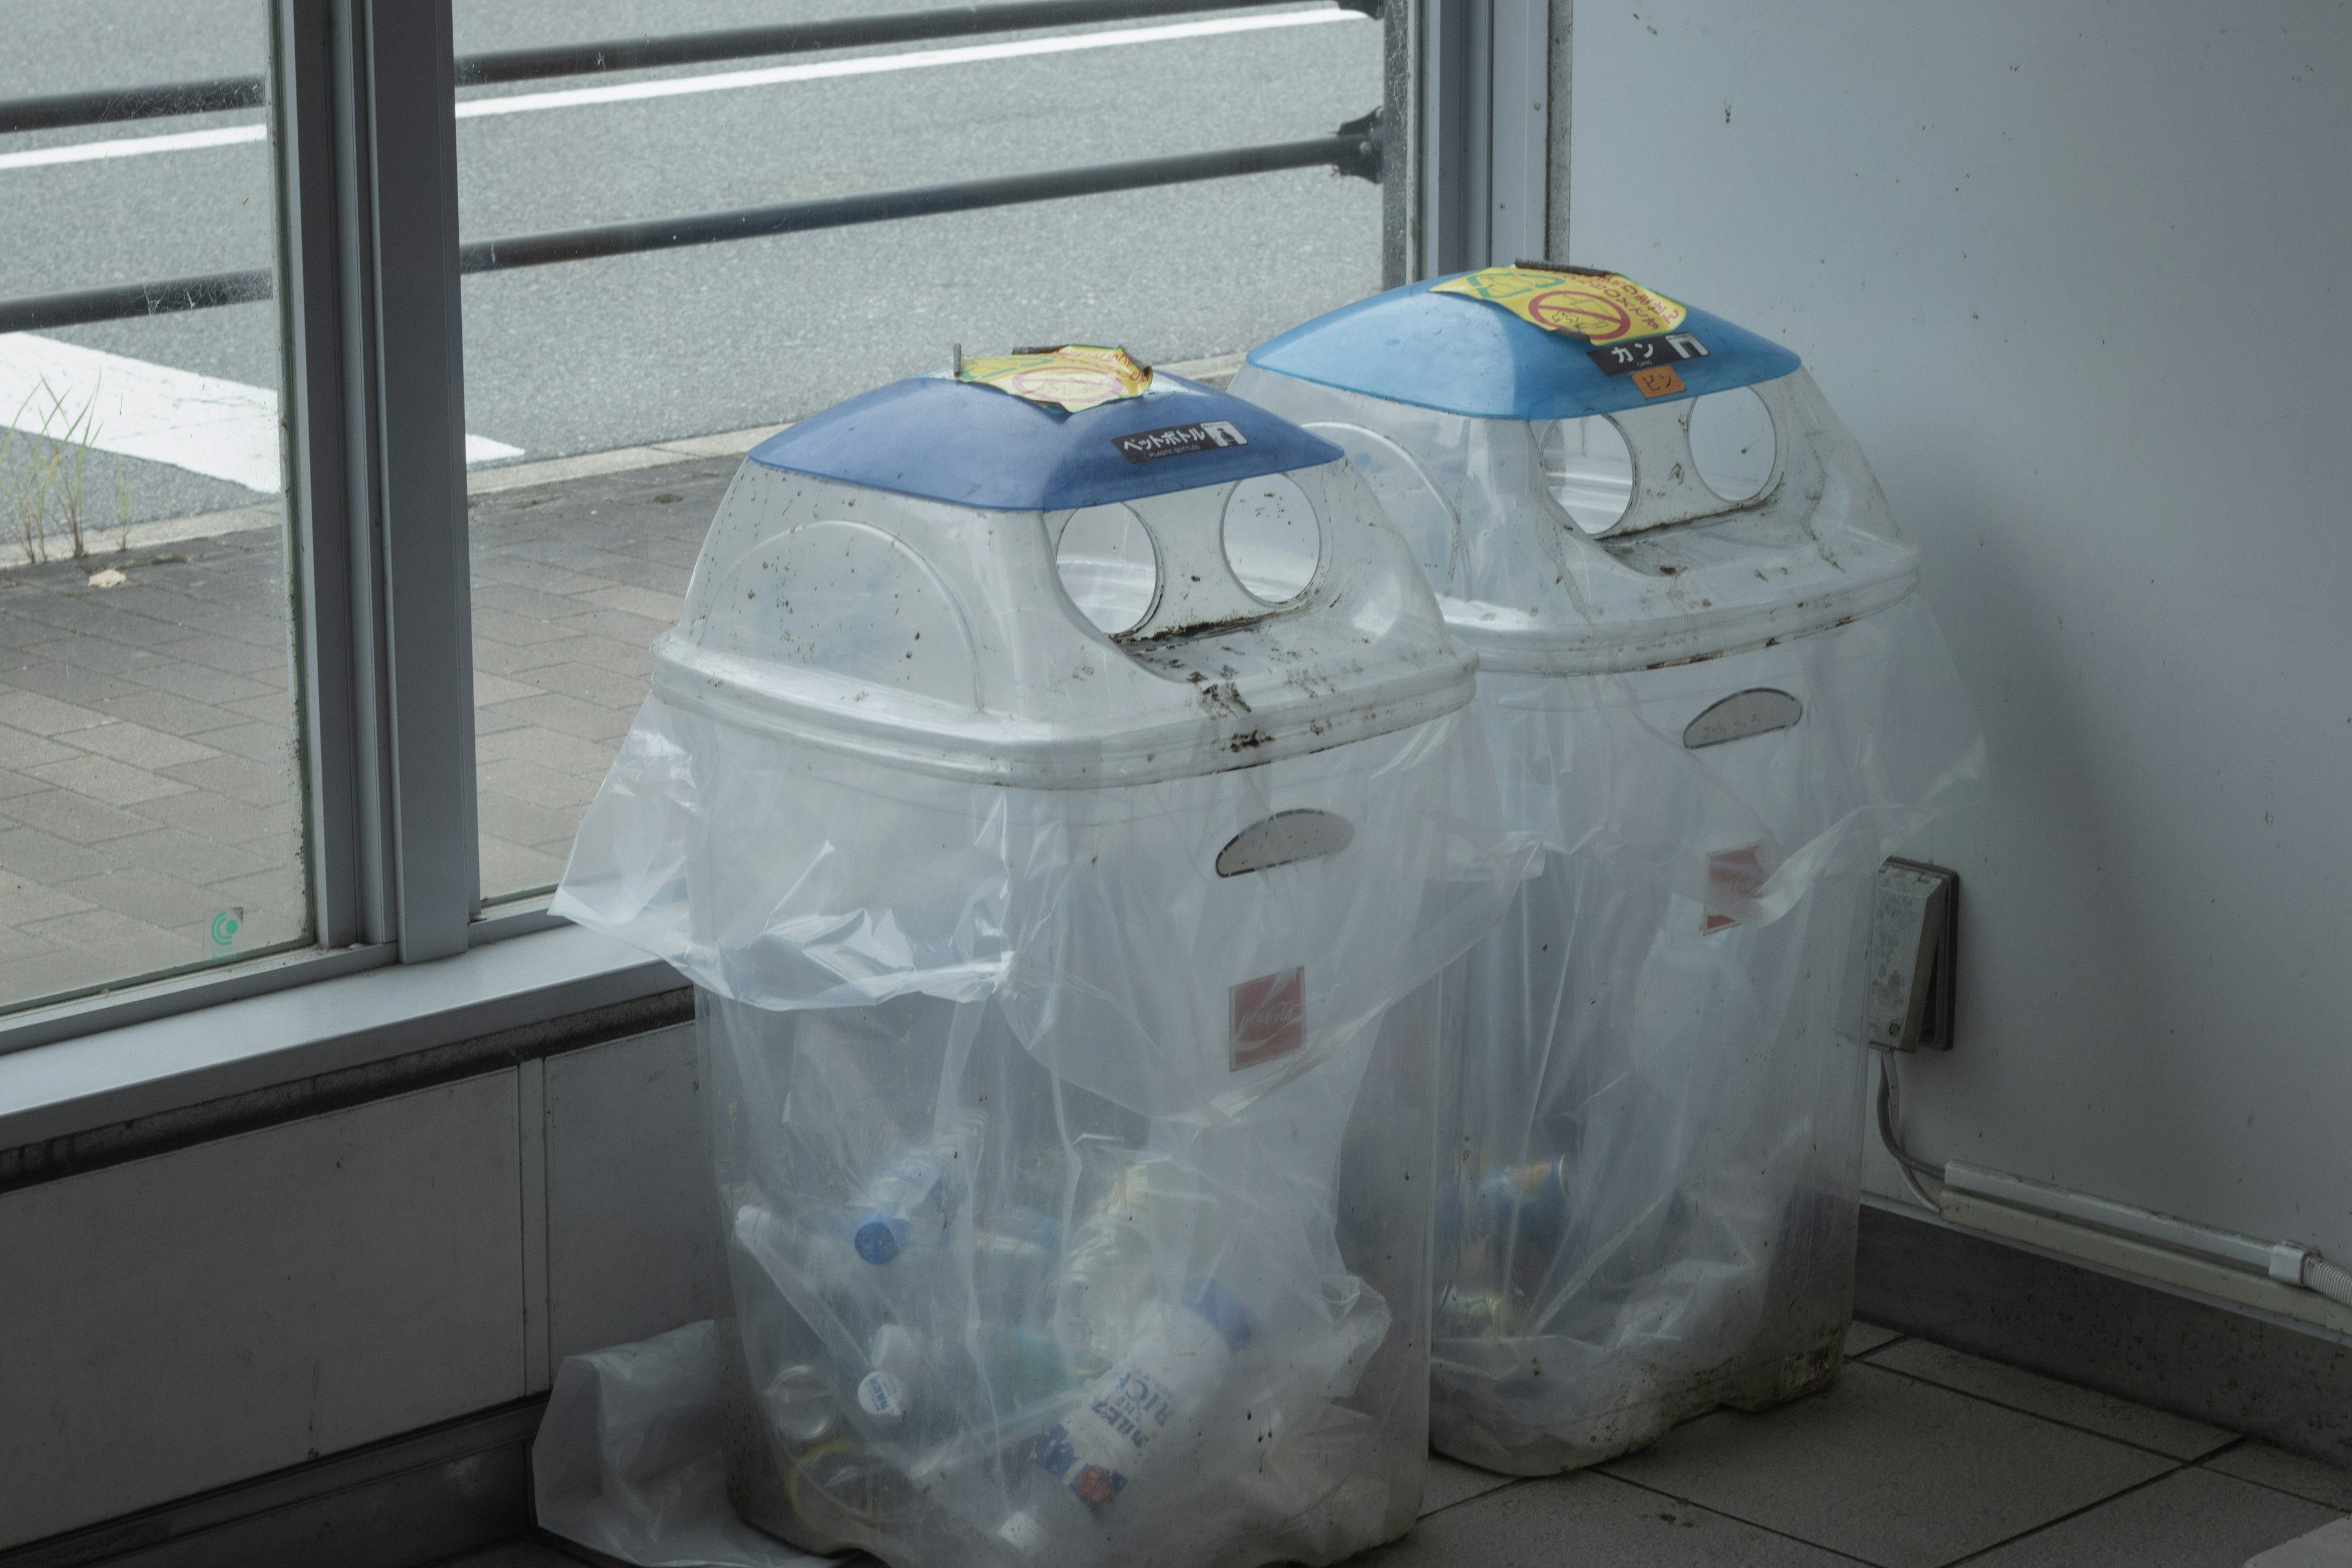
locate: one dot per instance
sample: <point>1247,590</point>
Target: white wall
<point>2080,276</point>
<point>219,1312</point>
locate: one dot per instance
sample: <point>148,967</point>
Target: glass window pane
<point>150,813</point>
<point>669,363</point>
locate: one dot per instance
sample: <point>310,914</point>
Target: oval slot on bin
<point>1285,836</point>
<point>1754,711</point>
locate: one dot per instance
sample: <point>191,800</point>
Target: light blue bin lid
<point>972,445</point>
<point>1465,355</point>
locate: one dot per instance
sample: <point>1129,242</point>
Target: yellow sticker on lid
<point>1599,307</point>
<point>1073,377</point>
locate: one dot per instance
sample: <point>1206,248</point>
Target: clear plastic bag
<point>1652,1208</point>
<point>1074,1149</point>
<point>627,1460</point>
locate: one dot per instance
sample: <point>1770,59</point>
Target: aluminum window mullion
<point>366,145</point>
<point>303,135</point>
<point>1486,77</point>
<point>420,486</point>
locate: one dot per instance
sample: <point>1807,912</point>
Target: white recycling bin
<point>1061,790</point>
<point>1710,687</point>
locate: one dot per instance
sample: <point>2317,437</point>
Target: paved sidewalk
<point>148,804</point>
<point>149,792</point>
<point>1918,1456</point>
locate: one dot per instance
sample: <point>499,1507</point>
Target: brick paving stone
<point>116,939</point>
<point>20,750</point>
<point>13,783</point>
<point>37,856</point>
<point>205,685</point>
<point>71,814</point>
<point>550,748</point>
<point>523,821</point>
<point>239,778</point>
<point>271,744</point>
<point>41,715</point>
<point>147,894</point>
<point>619,626</point>
<point>105,780</point>
<point>659,607</point>
<point>591,683</point>
<point>50,678</point>
<point>104,655</point>
<point>215,816</point>
<point>173,715</point>
<point>588,720</point>
<point>194,858</point>
<point>140,746</point>
<point>24,901</point>
<point>491,690</point>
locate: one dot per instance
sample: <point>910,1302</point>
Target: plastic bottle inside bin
<point>1108,1278</point>
<point>1178,1355</point>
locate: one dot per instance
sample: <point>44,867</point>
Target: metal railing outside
<point>1353,149</point>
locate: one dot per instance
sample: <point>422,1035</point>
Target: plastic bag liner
<point>1095,920</point>
<point>1073,1148</point>
<point>1653,1207</point>
<point>627,1460</point>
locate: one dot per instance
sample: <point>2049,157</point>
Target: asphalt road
<point>589,355</point>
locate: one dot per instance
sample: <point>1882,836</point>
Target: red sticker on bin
<point>1734,874</point>
<point>1269,1018</point>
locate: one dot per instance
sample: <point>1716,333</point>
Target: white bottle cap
<point>882,1395</point>
<point>1023,1533</point>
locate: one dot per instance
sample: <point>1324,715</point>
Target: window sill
<point>260,1043</point>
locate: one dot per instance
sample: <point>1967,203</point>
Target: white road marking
<point>221,429</point>
<point>134,146</point>
<point>718,81</point>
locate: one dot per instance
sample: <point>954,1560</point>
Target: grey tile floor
<point>1918,1456</point>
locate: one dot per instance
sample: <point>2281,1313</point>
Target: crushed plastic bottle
<point>1179,1356</point>
<point>1108,1279</point>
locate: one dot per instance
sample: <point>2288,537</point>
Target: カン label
<point>1620,359</point>
<point>1177,440</point>
<point>1599,307</point>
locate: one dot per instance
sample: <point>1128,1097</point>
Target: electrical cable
<point>1889,1112</point>
<point>2319,1275</point>
<point>2329,1279</point>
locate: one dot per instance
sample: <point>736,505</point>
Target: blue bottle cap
<point>879,1238</point>
<point>1222,1311</point>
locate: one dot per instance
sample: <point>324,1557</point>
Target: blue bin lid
<point>972,445</point>
<point>1467,356</point>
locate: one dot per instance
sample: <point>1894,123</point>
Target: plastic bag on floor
<point>627,1460</point>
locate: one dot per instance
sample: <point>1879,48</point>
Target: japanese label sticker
<point>1073,377</point>
<point>1600,307</point>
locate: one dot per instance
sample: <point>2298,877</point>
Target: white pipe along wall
<point>2076,274</point>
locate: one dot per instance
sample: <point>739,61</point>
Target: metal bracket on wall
<point>1914,956</point>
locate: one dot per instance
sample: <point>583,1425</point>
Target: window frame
<point>362,133</point>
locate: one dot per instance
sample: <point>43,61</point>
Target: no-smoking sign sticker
<point>1599,307</point>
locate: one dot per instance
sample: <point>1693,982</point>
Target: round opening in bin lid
<point>972,445</point>
<point>1465,355</point>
